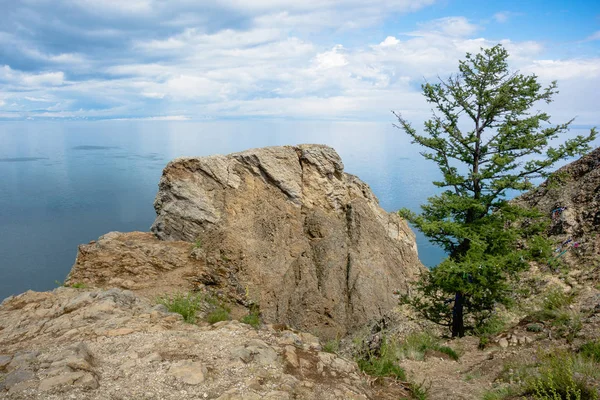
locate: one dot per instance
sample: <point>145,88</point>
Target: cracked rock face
<point>574,191</point>
<point>288,229</point>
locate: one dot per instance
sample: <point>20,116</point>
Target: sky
<point>350,60</point>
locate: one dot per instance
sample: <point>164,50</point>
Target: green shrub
<point>253,317</point>
<point>489,328</point>
<point>384,364</point>
<point>556,299</point>
<point>185,304</point>
<point>567,324</point>
<point>449,352</point>
<point>591,351</point>
<point>415,345</point>
<point>534,327</point>
<point>332,346</point>
<point>217,315</point>
<point>218,310</point>
<point>562,375</point>
<point>419,391</point>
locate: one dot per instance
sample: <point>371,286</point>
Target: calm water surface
<point>66,183</point>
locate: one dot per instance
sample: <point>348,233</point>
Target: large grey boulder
<point>289,230</point>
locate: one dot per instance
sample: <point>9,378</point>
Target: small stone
<point>21,386</point>
<point>242,353</point>
<point>291,357</point>
<point>87,381</point>
<point>342,365</point>
<point>119,332</point>
<point>15,377</point>
<point>22,360</point>
<point>4,361</point>
<point>128,365</point>
<point>152,357</point>
<point>190,372</point>
<point>277,395</point>
<point>59,381</point>
<point>503,343</point>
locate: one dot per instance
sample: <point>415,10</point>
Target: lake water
<point>66,183</point>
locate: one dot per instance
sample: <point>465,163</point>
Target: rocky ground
<point>111,344</point>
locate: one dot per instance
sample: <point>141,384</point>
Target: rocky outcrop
<point>287,229</point>
<point>112,344</point>
<point>136,261</point>
<point>571,198</point>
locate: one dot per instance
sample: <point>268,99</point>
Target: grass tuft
<point>416,345</point>
<point>219,314</point>
<point>383,365</point>
<point>490,328</point>
<point>562,376</point>
<point>557,375</point>
<point>591,351</point>
<point>187,305</point>
<point>253,317</point>
<point>332,346</point>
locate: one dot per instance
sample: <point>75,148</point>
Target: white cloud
<point>389,41</point>
<point>159,118</point>
<point>115,6</point>
<point>48,78</point>
<point>594,36</point>
<point>272,65</point>
<point>584,69</point>
<point>502,16</point>
<point>26,80</point>
<point>331,59</point>
<point>452,26</point>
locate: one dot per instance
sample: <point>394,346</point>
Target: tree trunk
<point>458,323</point>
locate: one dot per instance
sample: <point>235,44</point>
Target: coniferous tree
<point>487,239</point>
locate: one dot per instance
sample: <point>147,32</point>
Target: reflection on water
<point>90,147</point>
<point>21,159</point>
<point>84,179</point>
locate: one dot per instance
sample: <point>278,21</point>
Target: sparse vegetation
<point>489,328</point>
<point>218,311</point>
<point>419,391</point>
<point>332,346</point>
<point>534,327</point>
<point>557,375</point>
<point>186,304</point>
<point>556,299</point>
<point>384,363</point>
<point>555,311</point>
<point>562,375</point>
<point>198,243</point>
<point>416,345</point>
<point>501,393</point>
<point>219,314</point>
<point>253,317</point>
<point>76,285</point>
<point>591,351</point>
